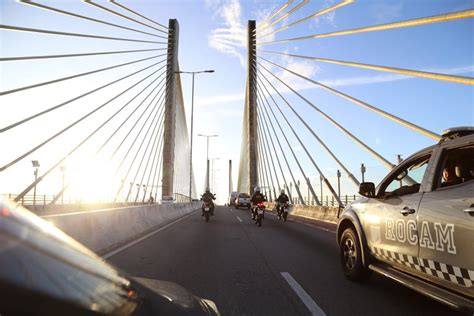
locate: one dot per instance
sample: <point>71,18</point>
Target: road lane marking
<point>136,241</point>
<point>239,219</point>
<point>304,297</point>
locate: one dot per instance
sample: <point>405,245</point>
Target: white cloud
<point>385,12</point>
<point>327,18</point>
<point>222,99</point>
<point>231,37</point>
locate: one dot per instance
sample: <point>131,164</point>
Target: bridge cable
<point>19,58</point>
<point>155,118</point>
<point>76,76</point>
<point>381,27</point>
<point>121,15</point>
<point>349,134</point>
<point>278,11</point>
<point>75,99</point>
<point>322,12</point>
<point>287,14</point>
<point>351,176</point>
<point>307,153</point>
<point>41,31</point>
<point>289,146</point>
<point>365,105</point>
<point>266,158</point>
<point>156,130</point>
<point>138,14</point>
<point>282,151</point>
<point>40,178</point>
<point>42,6</point>
<point>160,98</point>
<point>159,167</point>
<point>133,112</point>
<point>269,157</point>
<point>264,130</point>
<point>99,150</point>
<point>264,165</point>
<point>408,72</point>
<point>72,124</point>
<point>156,154</point>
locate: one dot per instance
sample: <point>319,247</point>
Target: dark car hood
<point>168,298</point>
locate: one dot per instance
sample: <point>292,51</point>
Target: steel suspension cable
<point>155,118</point>
<point>319,13</point>
<point>284,16</point>
<point>152,141</point>
<point>77,98</point>
<point>266,160</point>
<point>263,166</point>
<point>42,6</point>
<point>365,105</point>
<point>354,138</point>
<point>350,175</point>
<point>278,11</point>
<point>128,103</point>
<point>267,153</point>
<point>19,58</point>
<point>261,180</point>
<point>138,14</point>
<point>121,15</point>
<point>161,92</point>
<point>336,196</point>
<point>291,148</point>
<point>50,32</point>
<point>282,152</point>
<point>408,72</point>
<point>264,130</point>
<point>381,27</point>
<point>41,84</point>
<point>40,178</point>
<point>135,110</point>
<point>159,167</point>
<point>27,153</point>
<point>153,166</point>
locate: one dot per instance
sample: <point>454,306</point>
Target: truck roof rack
<point>456,132</point>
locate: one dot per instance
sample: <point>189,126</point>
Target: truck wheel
<point>351,256</point>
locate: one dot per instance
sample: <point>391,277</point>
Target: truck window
<point>408,179</point>
<point>456,167</point>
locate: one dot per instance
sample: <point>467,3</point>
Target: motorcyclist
<point>257,197</point>
<point>281,200</point>
<point>208,197</point>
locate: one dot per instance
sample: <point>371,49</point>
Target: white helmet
<point>257,189</point>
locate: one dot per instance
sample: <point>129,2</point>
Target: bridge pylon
<point>170,111</point>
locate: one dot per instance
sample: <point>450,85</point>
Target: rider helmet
<point>257,189</point>
<point>282,191</point>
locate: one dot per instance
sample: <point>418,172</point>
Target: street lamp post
<point>207,156</point>
<point>63,170</point>
<point>36,165</point>
<point>191,135</point>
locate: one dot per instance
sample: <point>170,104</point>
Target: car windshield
<point>244,195</point>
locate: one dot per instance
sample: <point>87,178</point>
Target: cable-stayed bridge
<point>108,103</point>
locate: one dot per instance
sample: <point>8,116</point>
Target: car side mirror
<point>367,189</point>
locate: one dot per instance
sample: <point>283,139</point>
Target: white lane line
<point>136,241</point>
<point>239,219</point>
<point>304,297</point>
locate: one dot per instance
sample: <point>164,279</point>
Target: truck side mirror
<point>367,189</point>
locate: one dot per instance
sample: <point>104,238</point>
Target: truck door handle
<point>406,210</point>
<point>470,210</point>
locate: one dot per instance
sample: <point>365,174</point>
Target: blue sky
<point>212,36</point>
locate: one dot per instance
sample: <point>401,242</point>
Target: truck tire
<point>351,256</point>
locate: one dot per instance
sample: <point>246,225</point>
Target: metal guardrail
<point>328,200</point>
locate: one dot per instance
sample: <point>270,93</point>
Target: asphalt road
<point>280,268</point>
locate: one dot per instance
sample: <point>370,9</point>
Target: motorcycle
<point>206,208</point>
<point>283,211</point>
<point>260,213</point>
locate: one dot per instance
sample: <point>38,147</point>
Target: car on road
<point>417,226</point>
<point>243,200</point>
<point>46,272</point>
<point>232,197</point>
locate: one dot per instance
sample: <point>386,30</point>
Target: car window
<point>244,195</point>
<point>456,167</point>
<point>408,179</point>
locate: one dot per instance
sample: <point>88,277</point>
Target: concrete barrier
<point>321,213</point>
<point>105,229</point>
